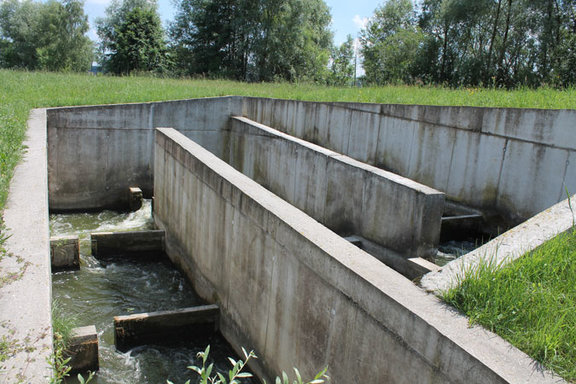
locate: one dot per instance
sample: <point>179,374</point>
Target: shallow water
<point>99,291</point>
<point>453,249</point>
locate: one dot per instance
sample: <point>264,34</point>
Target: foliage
<point>342,63</point>
<point>236,372</point>
<point>132,37</point>
<point>528,302</point>
<point>259,40</point>
<point>390,43</point>
<point>62,325</point>
<point>47,36</point>
<point>502,43</point>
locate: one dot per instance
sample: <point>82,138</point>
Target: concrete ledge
<point>64,253</point>
<point>508,246</point>
<point>25,288</point>
<point>165,327</point>
<point>83,350</point>
<point>139,244</point>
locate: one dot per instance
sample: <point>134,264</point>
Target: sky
<point>348,16</point>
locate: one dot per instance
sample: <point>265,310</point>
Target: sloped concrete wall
<point>302,296</point>
<point>514,162</point>
<point>96,153</point>
<point>347,196</point>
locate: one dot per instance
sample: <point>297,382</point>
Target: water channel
<point>101,290</point>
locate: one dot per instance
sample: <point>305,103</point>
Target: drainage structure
<point>277,260</point>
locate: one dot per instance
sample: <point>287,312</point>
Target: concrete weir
<point>262,201</point>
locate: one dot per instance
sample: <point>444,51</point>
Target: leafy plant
<point>63,324</point>
<point>236,372</point>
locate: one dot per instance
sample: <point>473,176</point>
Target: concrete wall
<point>300,295</point>
<point>96,153</point>
<point>347,196</point>
<point>514,162</point>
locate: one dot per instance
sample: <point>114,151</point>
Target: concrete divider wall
<point>345,195</point>
<point>97,152</point>
<point>302,296</point>
<point>514,162</point>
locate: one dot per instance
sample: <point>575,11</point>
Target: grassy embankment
<point>529,302</point>
<point>22,91</point>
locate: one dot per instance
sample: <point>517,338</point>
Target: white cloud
<point>360,22</point>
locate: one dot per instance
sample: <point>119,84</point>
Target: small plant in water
<point>236,373</point>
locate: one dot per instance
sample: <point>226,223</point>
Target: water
<point>99,291</point>
<point>453,249</point>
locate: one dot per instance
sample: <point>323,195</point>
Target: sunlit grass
<point>530,302</point>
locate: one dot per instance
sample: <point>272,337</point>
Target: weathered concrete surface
<point>513,162</point>
<point>64,253</point>
<point>96,153</point>
<point>165,327</point>
<point>83,350</point>
<point>508,246</point>
<point>345,195</point>
<point>288,287</point>
<point>25,278</point>
<point>510,162</point>
<point>140,244</point>
<point>135,198</point>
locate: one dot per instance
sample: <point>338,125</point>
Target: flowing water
<point>99,291</point>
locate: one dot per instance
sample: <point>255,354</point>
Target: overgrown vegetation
<point>529,302</point>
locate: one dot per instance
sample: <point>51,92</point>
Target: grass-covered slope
<point>530,302</point>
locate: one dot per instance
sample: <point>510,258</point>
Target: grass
<point>529,302</point>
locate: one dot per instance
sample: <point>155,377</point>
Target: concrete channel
<point>276,260</point>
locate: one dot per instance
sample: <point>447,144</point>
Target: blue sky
<point>347,15</point>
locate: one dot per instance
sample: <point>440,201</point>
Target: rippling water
<point>99,291</point>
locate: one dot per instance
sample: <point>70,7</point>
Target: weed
<point>236,372</point>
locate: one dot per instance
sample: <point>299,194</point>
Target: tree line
<point>500,43</point>
<point>503,43</point>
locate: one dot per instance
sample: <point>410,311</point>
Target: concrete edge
<point>481,350</point>
<point>507,247</point>
<point>394,177</point>
<point>26,288</point>
<point>103,106</point>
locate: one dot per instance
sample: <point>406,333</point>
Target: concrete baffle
<point>139,244</point>
<point>83,350</point>
<point>65,253</point>
<point>165,327</point>
<point>135,199</point>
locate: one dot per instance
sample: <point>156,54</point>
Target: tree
<point>48,36</point>
<point>342,63</point>
<point>215,37</point>
<point>390,43</point>
<point>132,38</point>
<point>63,40</point>
<point>253,39</point>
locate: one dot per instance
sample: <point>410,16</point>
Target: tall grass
<point>531,302</point>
